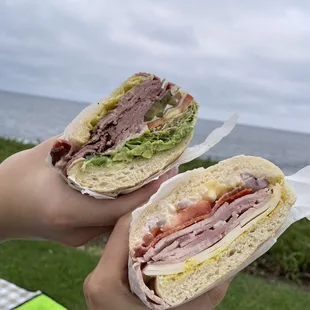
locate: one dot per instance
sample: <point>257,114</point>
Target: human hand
<point>35,202</point>
<point>107,286</point>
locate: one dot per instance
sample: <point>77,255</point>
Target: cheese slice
<point>246,223</point>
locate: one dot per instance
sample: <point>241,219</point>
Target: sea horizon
<point>34,118</point>
<point>85,103</point>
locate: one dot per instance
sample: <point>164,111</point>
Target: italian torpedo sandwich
<point>204,227</point>
<point>142,127</point>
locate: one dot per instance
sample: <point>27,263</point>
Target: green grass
<point>9,147</point>
<point>197,163</point>
<point>59,271</point>
<point>289,257</point>
<point>253,293</point>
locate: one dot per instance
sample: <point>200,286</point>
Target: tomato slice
<point>155,123</point>
<point>186,102</point>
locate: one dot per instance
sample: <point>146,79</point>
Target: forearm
<point>13,203</point>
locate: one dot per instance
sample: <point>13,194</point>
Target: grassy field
<point>9,147</point>
<point>59,271</point>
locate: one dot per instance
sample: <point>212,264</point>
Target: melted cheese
<point>245,225</point>
<point>214,190</point>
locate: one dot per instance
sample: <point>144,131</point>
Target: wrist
<point>6,207</point>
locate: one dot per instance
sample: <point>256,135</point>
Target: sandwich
<point>204,227</point>
<point>118,143</point>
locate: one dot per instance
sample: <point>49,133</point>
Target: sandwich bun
<point>209,267</point>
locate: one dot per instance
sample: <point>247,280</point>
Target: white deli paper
<point>189,154</point>
<point>300,182</point>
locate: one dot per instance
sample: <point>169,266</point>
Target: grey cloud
<point>241,56</point>
<point>178,35</point>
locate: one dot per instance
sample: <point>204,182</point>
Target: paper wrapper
<point>299,181</point>
<point>188,155</point>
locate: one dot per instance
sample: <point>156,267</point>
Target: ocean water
<point>32,117</point>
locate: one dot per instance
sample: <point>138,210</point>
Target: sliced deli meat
<point>200,213</point>
<point>201,225</point>
<point>126,120</point>
<point>209,231</point>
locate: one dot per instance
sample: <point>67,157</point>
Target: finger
<point>115,256</point>
<point>40,151</point>
<point>45,146</point>
<point>87,211</point>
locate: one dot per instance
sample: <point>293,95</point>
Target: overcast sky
<point>252,57</point>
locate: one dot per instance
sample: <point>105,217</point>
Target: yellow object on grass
<point>41,302</point>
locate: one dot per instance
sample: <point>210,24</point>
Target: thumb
<point>115,256</point>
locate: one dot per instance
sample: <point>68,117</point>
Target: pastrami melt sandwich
<point>139,130</point>
<point>204,228</point>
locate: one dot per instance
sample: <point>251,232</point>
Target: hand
<point>35,202</point>
<point>107,286</point>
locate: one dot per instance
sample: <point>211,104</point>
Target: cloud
<point>252,57</point>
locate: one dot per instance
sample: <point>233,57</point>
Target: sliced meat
<point>146,75</point>
<point>189,216</point>
<point>176,229</point>
<point>197,213</point>
<point>221,214</point>
<point>60,149</point>
<point>193,247</point>
<point>139,251</point>
<point>175,244</point>
<point>126,120</point>
<point>61,152</point>
<point>233,222</point>
<point>254,183</point>
<point>232,195</point>
<point>226,213</point>
<point>184,218</point>
<point>128,117</point>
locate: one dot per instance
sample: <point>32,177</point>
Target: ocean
<point>32,118</point>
